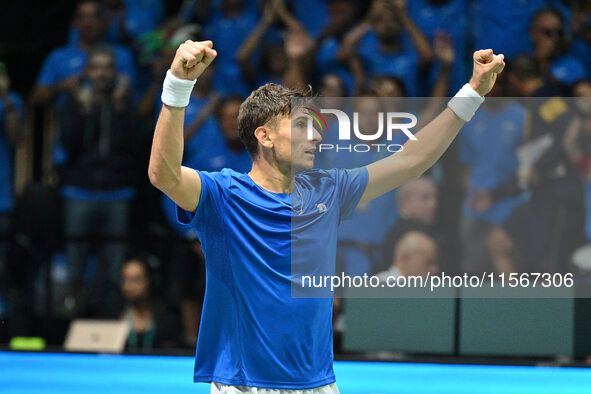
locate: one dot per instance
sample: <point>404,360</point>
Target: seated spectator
<point>417,208</point>
<point>11,134</point>
<point>578,143</point>
<point>549,48</point>
<point>98,130</point>
<point>62,70</point>
<point>415,254</point>
<point>505,27</point>
<point>488,151</point>
<point>152,324</point>
<point>383,48</point>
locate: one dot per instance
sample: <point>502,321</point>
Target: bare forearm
<point>416,157</point>
<point>167,148</point>
<point>250,43</point>
<point>432,141</point>
<point>419,40</point>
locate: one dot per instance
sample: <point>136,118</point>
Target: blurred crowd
<point>94,239</point>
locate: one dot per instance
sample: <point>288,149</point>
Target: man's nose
<point>316,136</point>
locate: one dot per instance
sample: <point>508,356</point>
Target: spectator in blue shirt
<point>547,35</point>
<point>451,18</point>
<point>342,16</point>
<point>127,20</point>
<point>11,134</point>
<point>312,13</point>
<point>276,61</point>
<point>504,27</point>
<point>98,130</point>
<point>228,31</point>
<point>63,69</point>
<point>488,152</point>
<point>383,47</point>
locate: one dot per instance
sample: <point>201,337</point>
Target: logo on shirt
<point>321,207</point>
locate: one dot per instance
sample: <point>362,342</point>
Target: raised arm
<point>433,139</point>
<point>181,184</point>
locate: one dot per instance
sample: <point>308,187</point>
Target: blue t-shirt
<point>313,14</point>
<point>403,64</point>
<point>70,60</point>
<point>228,35</point>
<point>326,60</point>
<point>6,157</point>
<point>451,18</point>
<point>580,50</point>
<point>567,69</point>
<point>504,25</point>
<point>488,145</point>
<point>253,332</point>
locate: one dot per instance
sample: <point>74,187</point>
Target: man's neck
<point>270,177</point>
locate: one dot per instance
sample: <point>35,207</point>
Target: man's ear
<point>262,133</point>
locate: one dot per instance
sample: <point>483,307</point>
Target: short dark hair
<point>263,105</point>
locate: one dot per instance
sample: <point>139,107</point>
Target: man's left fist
<point>486,67</point>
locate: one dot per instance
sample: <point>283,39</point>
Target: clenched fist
<point>487,66</point>
<point>192,58</point>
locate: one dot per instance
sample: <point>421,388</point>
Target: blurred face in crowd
<point>331,86</point>
<point>135,283</point>
<point>547,33</point>
<point>89,22</point>
<point>274,60</point>
<point>101,71</point>
<point>368,109</point>
<point>331,90</point>
<point>418,200</point>
<point>416,255</point>
<point>342,12</point>
<point>385,22</point>
<point>387,87</point>
<point>227,117</point>
<point>583,90</point>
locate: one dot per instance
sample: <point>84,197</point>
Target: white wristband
<point>176,92</point>
<point>465,102</point>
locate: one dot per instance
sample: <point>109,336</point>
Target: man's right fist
<point>192,58</point>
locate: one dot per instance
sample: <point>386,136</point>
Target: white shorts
<point>219,388</point>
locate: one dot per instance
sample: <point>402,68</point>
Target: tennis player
<point>254,337</point>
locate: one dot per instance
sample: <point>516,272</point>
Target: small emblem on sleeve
<point>321,207</point>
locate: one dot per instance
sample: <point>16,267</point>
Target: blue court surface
<point>84,373</point>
